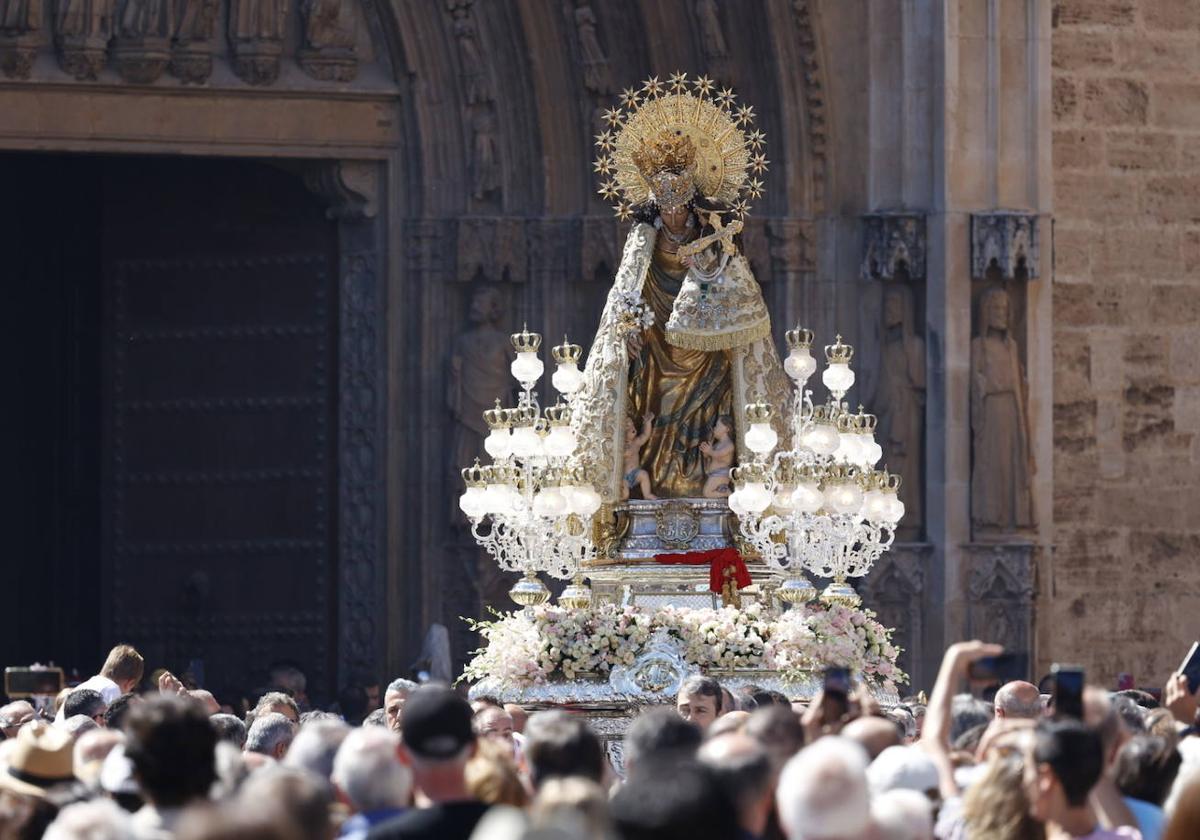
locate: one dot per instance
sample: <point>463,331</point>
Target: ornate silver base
<point>630,534</point>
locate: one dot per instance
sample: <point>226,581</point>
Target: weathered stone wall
<point>1124,587</point>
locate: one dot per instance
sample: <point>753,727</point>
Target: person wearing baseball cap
<point>438,743</point>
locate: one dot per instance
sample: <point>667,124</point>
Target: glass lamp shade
<point>527,368</point>
<point>800,365</point>
<point>584,500</point>
<point>755,497</point>
<point>894,511</point>
<point>761,438</point>
<point>498,444</point>
<point>871,451</point>
<point>838,378</point>
<point>567,378</point>
<point>848,449</point>
<point>473,502</point>
<point>560,442</point>
<point>735,503</point>
<point>823,439</point>
<point>525,442</point>
<point>782,500</point>
<point>497,499</point>
<point>807,497</point>
<point>874,506</point>
<point>844,497</point>
<point>549,502</point>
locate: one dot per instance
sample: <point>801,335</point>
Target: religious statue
<point>901,403</point>
<point>718,459</point>
<point>485,158</point>
<point>1002,464</point>
<point>678,161</point>
<point>635,476</point>
<point>479,360</point>
<point>596,77</point>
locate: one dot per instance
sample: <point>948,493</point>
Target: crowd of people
<point>110,761</point>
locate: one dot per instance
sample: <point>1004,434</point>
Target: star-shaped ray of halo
<point>759,163</point>
<point>756,139</point>
<point>603,165</point>
<point>678,82</point>
<point>703,85</point>
<point>652,87</point>
<point>605,141</point>
<point>754,188</point>
<point>629,98</point>
<point>725,98</point>
<point>608,190</point>
<point>613,117</point>
<point>745,115</point>
<point>624,211</point>
<point>741,208</point>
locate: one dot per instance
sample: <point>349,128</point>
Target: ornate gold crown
<point>566,352</point>
<point>685,129</point>
<point>749,473</point>
<point>525,341</point>
<point>798,338</point>
<point>838,353</point>
<point>474,476</point>
<point>497,418</point>
<point>669,150</point>
<point>559,415</point>
<point>759,411</point>
<point>864,422</point>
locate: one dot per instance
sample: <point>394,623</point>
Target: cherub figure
<point>635,475</point>
<point>718,459</point>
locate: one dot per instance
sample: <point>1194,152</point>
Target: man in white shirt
<point>120,674</point>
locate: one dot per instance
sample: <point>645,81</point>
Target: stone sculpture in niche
<point>20,36</point>
<point>900,403</point>
<point>485,159</point>
<point>1002,461</point>
<point>192,44</point>
<point>711,36</point>
<point>328,50</point>
<point>141,47</point>
<point>256,30</point>
<point>477,86</point>
<point>478,375</point>
<point>82,29</point>
<point>596,76</point>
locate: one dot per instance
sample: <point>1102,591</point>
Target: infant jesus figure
<point>635,475</point>
<point>718,459</point>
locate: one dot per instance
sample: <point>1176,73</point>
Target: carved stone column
<point>895,589</point>
<point>1000,586</point>
<point>353,189</point>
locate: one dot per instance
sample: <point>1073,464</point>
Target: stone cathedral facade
<point>318,220</point>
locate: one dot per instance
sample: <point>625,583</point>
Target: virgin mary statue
<point>678,158</point>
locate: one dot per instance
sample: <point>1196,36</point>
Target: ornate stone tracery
<point>891,240</point>
<point>1007,240</point>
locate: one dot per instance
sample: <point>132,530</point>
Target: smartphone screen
<point>837,693</point>
<point>1191,668</point>
<point>23,682</point>
<point>1068,691</point>
<point>999,669</point>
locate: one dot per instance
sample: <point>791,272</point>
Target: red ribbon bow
<point>724,564</point>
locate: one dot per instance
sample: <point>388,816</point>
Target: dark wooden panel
<point>221,478</point>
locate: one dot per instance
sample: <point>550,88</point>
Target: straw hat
<point>39,759</point>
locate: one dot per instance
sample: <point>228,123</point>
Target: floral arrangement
<point>552,643</point>
<point>633,314</point>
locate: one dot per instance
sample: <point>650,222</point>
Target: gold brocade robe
<point>686,390</point>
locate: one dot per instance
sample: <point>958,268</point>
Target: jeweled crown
<point>667,151</point>
<point>838,353</point>
<point>559,415</point>
<point>759,411</point>
<point>474,476</point>
<point>566,352</point>
<point>798,338</point>
<point>497,418</point>
<point>525,341</point>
